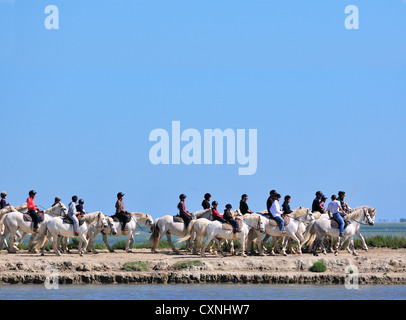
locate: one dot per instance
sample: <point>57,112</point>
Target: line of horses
<point>304,227</point>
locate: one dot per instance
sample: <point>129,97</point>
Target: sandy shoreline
<point>378,266</point>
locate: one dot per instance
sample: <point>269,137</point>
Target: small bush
<point>186,264</point>
<point>318,266</point>
<point>135,266</point>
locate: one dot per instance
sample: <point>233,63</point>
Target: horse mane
<point>197,214</point>
<point>298,212</point>
<point>141,215</point>
<point>355,213</point>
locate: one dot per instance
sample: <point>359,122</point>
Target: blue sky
<point>78,103</point>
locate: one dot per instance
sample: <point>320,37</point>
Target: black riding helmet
<point>182,196</point>
<point>214,203</point>
<point>32,193</point>
<point>228,206</point>
<point>81,201</point>
<point>207,196</point>
<point>119,195</point>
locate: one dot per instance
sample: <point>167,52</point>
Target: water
<point>202,292</point>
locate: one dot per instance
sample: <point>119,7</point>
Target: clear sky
<point>78,103</point>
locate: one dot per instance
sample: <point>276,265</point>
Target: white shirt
<point>72,209</point>
<point>334,206</point>
<point>276,209</point>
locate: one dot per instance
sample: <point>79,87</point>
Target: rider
<point>79,209</point>
<point>228,216</point>
<point>206,201</point>
<point>72,213</point>
<point>243,205</point>
<point>344,205</point>
<point>285,205</point>
<point>316,203</point>
<point>185,215</point>
<point>335,208</point>
<point>215,214</point>
<point>57,200</point>
<point>323,203</point>
<point>3,202</point>
<point>121,214</point>
<point>276,212</point>
<point>33,211</point>
<point>270,200</point>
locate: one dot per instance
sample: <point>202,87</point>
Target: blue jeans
<point>35,217</point>
<point>339,219</point>
<point>234,223</point>
<point>282,222</point>
<point>75,222</point>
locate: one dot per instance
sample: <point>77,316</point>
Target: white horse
<point>166,226</point>
<point>56,227</point>
<point>298,217</point>
<point>114,229</point>
<point>317,215</point>
<point>15,221</point>
<point>215,231</point>
<point>197,230</point>
<point>322,227</point>
<point>3,214</point>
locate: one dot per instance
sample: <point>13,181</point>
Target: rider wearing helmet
<point>80,210</point>
<point>229,217</point>
<point>243,205</point>
<point>270,200</point>
<point>316,203</point>
<point>277,212</point>
<point>215,214</point>
<point>33,211</point>
<point>72,213</point>
<point>185,215</point>
<point>121,214</point>
<point>3,202</point>
<point>206,201</point>
<point>57,200</point>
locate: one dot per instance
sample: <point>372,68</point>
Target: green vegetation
<point>318,266</point>
<point>378,241</point>
<point>135,266</point>
<point>186,264</point>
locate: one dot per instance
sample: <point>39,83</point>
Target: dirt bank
<point>378,266</point>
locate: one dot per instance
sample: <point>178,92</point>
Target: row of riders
<point>300,225</point>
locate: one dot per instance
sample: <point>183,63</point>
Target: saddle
<point>227,226</point>
<point>273,222</point>
<point>28,218</point>
<point>178,218</point>
<point>116,219</point>
<point>334,223</point>
<point>68,220</point>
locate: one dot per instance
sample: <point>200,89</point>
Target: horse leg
<point>82,239</point>
<point>364,244</point>
<point>168,236</point>
<point>56,247</point>
<point>30,247</point>
<point>353,247</point>
<point>209,238</point>
<point>127,244</point>
<point>11,248</point>
<point>263,242</point>
<point>106,243</point>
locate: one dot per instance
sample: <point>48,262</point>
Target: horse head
<point>113,229</point>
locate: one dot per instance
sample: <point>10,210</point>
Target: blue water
<point>203,292</point>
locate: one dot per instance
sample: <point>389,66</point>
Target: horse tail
<point>188,233</point>
<point>308,234</point>
<point>155,234</point>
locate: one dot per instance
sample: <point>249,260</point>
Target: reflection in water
<point>202,292</point>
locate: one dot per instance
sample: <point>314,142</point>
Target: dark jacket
<point>3,203</point>
<point>316,206</point>
<point>286,208</point>
<point>269,202</point>
<point>206,204</point>
<point>243,207</point>
<point>227,215</point>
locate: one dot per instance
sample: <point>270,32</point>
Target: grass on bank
<point>135,266</point>
<point>180,265</point>
<point>318,266</point>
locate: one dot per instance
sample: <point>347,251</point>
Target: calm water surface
<point>202,292</point>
